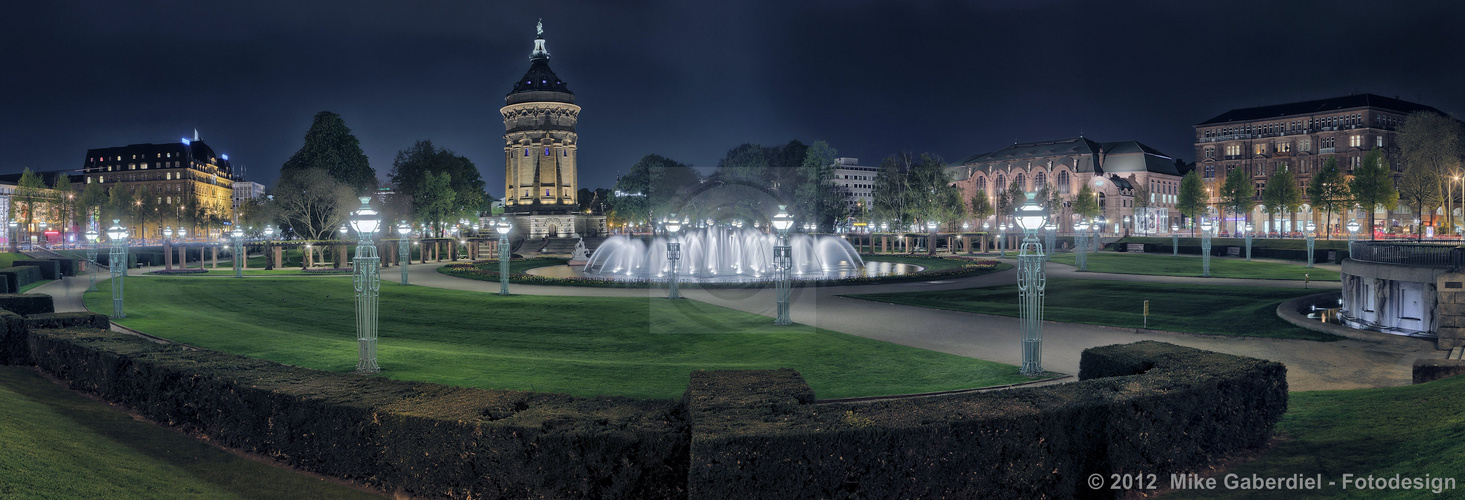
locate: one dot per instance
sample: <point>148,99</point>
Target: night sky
<point>690,80</point>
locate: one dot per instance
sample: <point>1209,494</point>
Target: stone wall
<point>1451,310</point>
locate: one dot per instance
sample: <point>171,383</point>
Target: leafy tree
<point>891,194</point>
<point>980,207</point>
<point>91,200</point>
<point>119,205</point>
<point>650,188</point>
<point>1418,188</point>
<point>1015,198</point>
<point>412,165</point>
<point>1328,191</point>
<point>313,203</point>
<point>1372,185</point>
<point>436,202</point>
<point>330,146</point>
<point>932,196</point>
<point>1431,141</point>
<point>27,204</point>
<point>1004,202</point>
<point>1191,200</point>
<point>816,195</point>
<point>1085,204</point>
<point>1274,194</point>
<point>1238,194</point>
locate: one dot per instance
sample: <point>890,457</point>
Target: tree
<point>1238,194</point>
<point>27,203</point>
<point>891,194</point>
<point>312,202</point>
<point>435,202</point>
<point>816,194</point>
<point>1016,196</point>
<point>91,201</point>
<point>1372,186</point>
<point>412,165</point>
<point>932,196</point>
<point>1431,141</point>
<point>1272,195</point>
<point>980,207</point>
<point>650,188</point>
<point>1328,191</point>
<point>1191,200</point>
<point>1141,196</point>
<point>1418,188</point>
<point>119,204</point>
<point>330,146</point>
<point>1085,204</point>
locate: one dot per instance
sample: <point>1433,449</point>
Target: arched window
<point>981,184</point>
<point>1063,181</point>
<point>1021,180</point>
<point>1040,179</point>
<point>1000,184</point>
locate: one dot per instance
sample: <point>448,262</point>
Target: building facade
<point>244,191</point>
<point>170,173</point>
<point>1111,169</point>
<point>541,154</point>
<point>1300,136</point>
<point>857,182</point>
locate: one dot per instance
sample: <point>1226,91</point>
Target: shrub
<point>20,276</point>
<point>50,269</point>
<point>1140,408</point>
<point>14,343</point>
<point>26,303</point>
<point>68,320</point>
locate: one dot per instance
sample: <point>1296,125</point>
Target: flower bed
<point>191,270</point>
<point>488,271</point>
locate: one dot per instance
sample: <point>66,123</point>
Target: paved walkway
<point>1344,364</point>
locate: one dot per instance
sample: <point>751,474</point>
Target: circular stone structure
<point>727,254</point>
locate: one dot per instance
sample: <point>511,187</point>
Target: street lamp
<point>1352,232</point>
<point>503,227</point>
<point>1311,239</point>
<point>117,261</point>
<point>238,234</point>
<point>270,254</point>
<point>1031,280</point>
<point>673,254</point>
<point>1081,244</point>
<point>367,284</point>
<point>1205,246</point>
<point>91,254</point>
<point>14,230</point>
<point>783,263</point>
<point>931,226</point>
<point>1002,239</point>
<point>1052,233</point>
<point>1174,240</point>
<point>404,255</point>
<point>1099,233</point>
<point>1248,230</point>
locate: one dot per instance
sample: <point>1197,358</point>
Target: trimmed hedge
<point>1147,407</point>
<point>27,303</point>
<point>416,438</point>
<point>14,342</point>
<point>50,269</point>
<point>19,276</point>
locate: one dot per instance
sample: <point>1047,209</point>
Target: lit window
<point>1379,141</point>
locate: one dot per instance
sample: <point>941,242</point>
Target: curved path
<point>1344,364</point>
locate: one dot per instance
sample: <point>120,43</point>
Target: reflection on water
<point>843,269</point>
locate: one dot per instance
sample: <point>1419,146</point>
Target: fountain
<point>726,253</point>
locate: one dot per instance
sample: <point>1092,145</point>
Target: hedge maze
<point>1145,407</point>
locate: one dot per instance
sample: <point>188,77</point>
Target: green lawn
<point>637,347</point>
<point>28,288</point>
<point>59,444</point>
<point>1207,309</point>
<point>1410,431</point>
<point>1167,265</point>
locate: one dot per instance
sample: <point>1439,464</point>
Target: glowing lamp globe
<point>403,228</point>
<point>783,220</point>
<point>365,220</point>
<point>1205,225</point>
<point>270,231</point>
<point>1174,228</point>
<point>168,232</point>
<point>1249,227</point>
<point>1353,226</point>
<point>182,232</point>
<point>1031,215</point>
<point>117,232</point>
<point>1081,226</point>
<point>237,233</point>
<point>91,234</point>
<point>1310,226</point>
<point>504,226</point>
<point>1050,226</point>
<point>673,225</point>
<point>931,225</point>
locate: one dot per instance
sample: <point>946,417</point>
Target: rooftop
<point>1318,106</point>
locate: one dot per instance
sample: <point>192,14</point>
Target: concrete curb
<point>1288,312</point>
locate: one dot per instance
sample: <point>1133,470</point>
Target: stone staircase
<point>1456,353</point>
<point>566,246</point>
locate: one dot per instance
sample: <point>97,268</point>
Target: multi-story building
<point>856,182</point>
<point>1111,169</point>
<point>1300,136</point>
<point>170,173</point>
<point>245,191</point>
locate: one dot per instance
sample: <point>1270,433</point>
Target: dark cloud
<point>689,80</point>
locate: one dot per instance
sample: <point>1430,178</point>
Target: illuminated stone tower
<point>539,140</point>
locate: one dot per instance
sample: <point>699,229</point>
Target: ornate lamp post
<point>503,227</point>
<point>1311,239</point>
<point>167,237</point>
<point>117,261</point>
<point>1174,240</point>
<point>931,226</point>
<point>238,234</point>
<point>269,233</point>
<point>367,284</point>
<point>1052,232</point>
<point>404,254</point>
<point>673,254</point>
<point>1002,239</point>
<point>1081,244</point>
<point>783,263</point>
<point>965,228</point>
<point>1205,247</point>
<point>1098,234</point>
<point>1248,230</point>
<point>986,234</point>
<point>91,255</point>
<point>14,232</point>
<point>1353,232</point>
<point>1031,280</point>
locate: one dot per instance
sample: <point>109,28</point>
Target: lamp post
<point>1031,280</point>
<point>1205,247</point>
<point>966,238</point>
<point>503,227</point>
<point>673,254</point>
<point>931,226</point>
<point>238,234</point>
<point>167,237</point>
<point>1002,239</point>
<point>1081,244</point>
<point>783,263</point>
<point>1311,239</point>
<point>1174,240</point>
<point>1098,233</point>
<point>367,284</point>
<point>14,231</point>
<point>1248,230</point>
<point>1353,232</point>
<point>117,261</point>
<point>91,255</point>
<point>404,254</point>
<point>269,253</point>
<point>1052,234</point>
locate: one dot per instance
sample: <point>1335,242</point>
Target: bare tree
<point>313,202</point>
